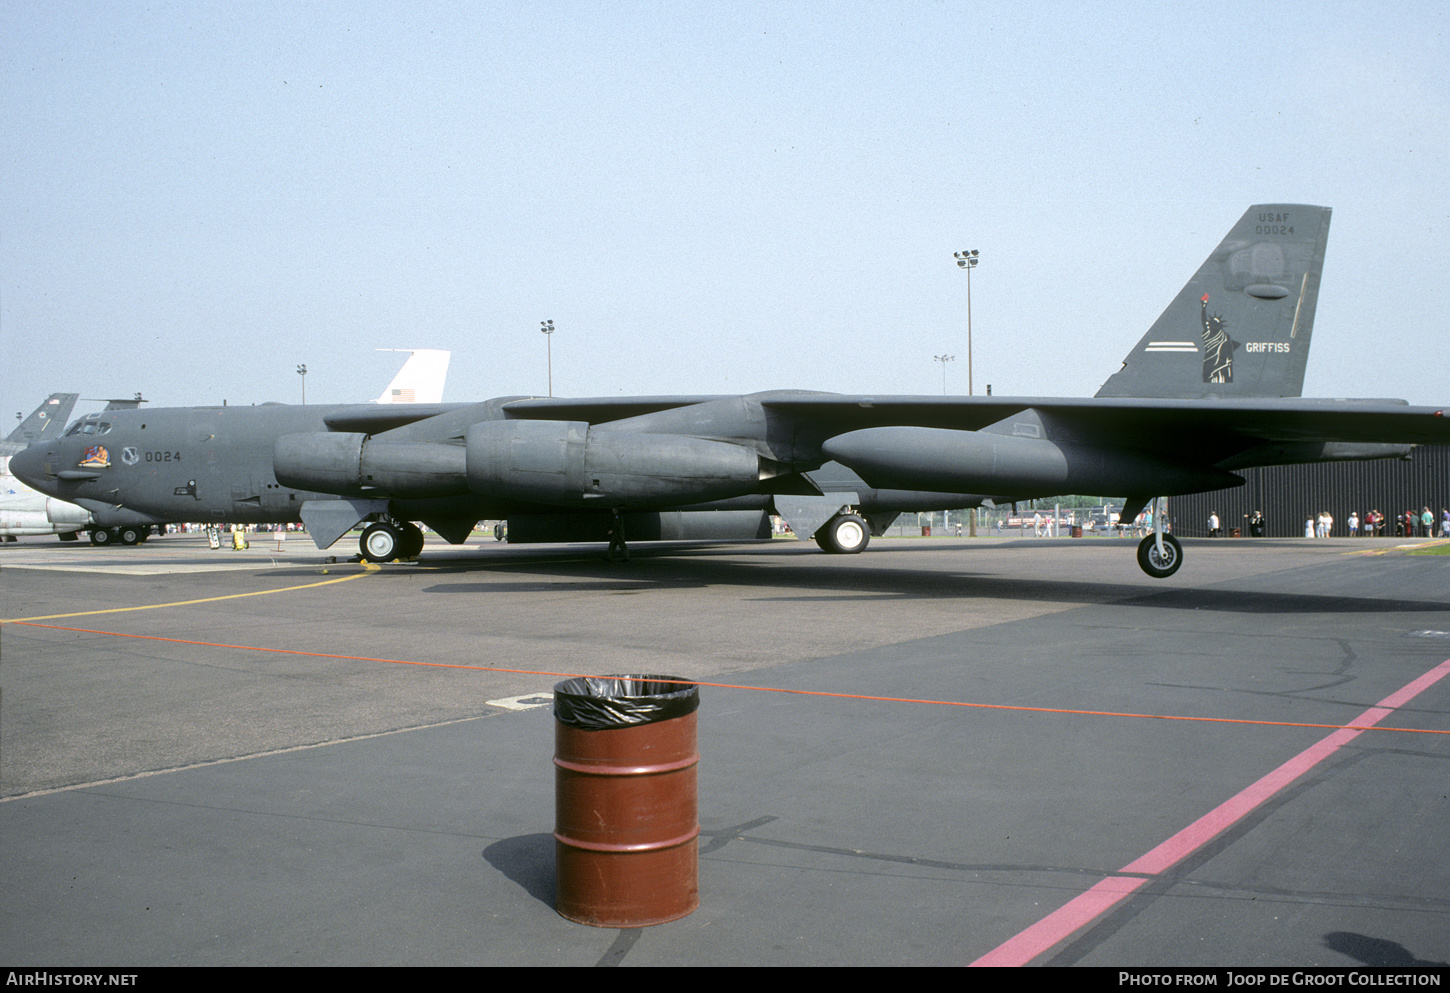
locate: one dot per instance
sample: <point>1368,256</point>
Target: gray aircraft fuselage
<point>1213,387</point>
<point>231,464</point>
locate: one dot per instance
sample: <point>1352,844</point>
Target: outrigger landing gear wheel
<point>381,542</point>
<point>1156,565</point>
<point>844,534</point>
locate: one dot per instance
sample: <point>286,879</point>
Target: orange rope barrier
<point>732,686</point>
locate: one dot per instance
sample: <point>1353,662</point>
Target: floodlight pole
<point>547,327</point>
<point>943,359</point>
<point>967,259</point>
<point>302,371</point>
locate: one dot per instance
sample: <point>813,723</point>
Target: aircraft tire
<point>130,534</point>
<point>412,541</point>
<point>381,542</point>
<point>103,536</point>
<point>844,534</point>
<point>1156,566</point>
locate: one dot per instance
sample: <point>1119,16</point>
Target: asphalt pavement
<point>939,752</point>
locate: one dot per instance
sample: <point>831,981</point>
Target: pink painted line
<point>1089,906</point>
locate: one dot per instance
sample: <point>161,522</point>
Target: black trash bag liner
<point>598,703</point>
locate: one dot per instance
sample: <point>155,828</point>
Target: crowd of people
<point>1374,524</point>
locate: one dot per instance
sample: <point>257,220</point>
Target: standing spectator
<point>1213,528</point>
<point>1427,523</point>
<point>1256,524</point>
<point>1354,524</point>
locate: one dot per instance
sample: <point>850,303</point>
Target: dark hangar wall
<point>1290,494</point>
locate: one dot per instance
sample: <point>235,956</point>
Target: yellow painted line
<point>368,567</point>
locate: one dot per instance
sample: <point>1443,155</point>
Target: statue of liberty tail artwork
<point>1218,348</point>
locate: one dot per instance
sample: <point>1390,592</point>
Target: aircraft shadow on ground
<point>780,580</point>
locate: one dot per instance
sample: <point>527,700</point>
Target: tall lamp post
<point>547,327</point>
<point>943,359</point>
<point>968,260</point>
<point>302,371</point>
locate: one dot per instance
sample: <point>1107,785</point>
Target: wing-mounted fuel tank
<point>571,463</point>
<point>968,461</point>
<point>352,464</point>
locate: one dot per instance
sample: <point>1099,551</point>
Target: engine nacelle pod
<point>24,521</point>
<point>65,514</point>
<point>570,463</point>
<point>323,461</point>
<point>352,464</point>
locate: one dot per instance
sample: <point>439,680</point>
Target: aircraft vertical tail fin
<point>1241,326</point>
<point>421,378</point>
<point>46,421</point>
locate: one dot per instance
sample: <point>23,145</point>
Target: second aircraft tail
<point>421,378</point>
<point>46,421</point>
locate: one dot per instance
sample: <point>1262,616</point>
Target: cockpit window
<point>88,427</point>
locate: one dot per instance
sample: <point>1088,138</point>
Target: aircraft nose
<point>28,465</point>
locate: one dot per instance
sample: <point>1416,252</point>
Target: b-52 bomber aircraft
<point>1213,387</point>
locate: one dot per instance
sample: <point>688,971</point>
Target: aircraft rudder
<point>45,421</point>
<point>421,379</point>
<point>1241,326</point>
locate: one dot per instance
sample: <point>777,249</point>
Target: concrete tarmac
<point>1000,751</point>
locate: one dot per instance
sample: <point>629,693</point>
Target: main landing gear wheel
<point>844,534</point>
<point>102,536</point>
<point>1156,565</point>
<point>412,540</point>
<point>381,542</point>
<point>131,535</point>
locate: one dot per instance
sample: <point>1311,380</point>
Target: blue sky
<point>704,197</point>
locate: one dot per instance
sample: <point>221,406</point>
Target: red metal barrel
<point>626,800</point>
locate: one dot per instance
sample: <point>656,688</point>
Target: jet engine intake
<point>63,513</point>
<point>351,464</point>
<point>981,462</point>
<point>571,463</point>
